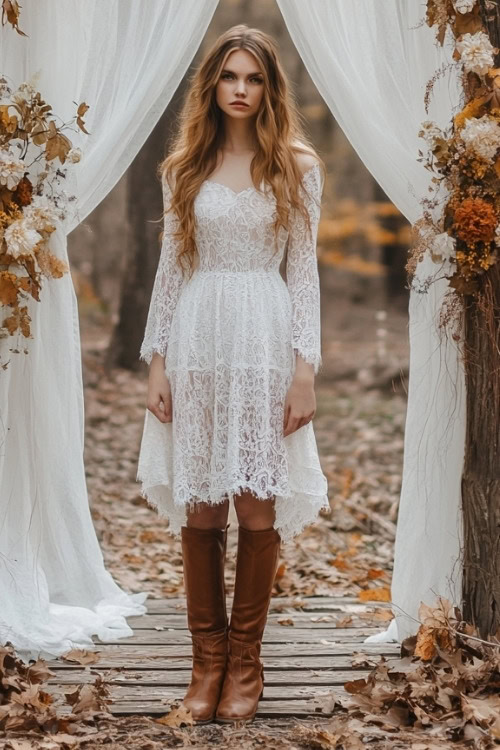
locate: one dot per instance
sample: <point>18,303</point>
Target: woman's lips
<point>238,104</point>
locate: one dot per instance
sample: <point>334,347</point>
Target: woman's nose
<point>240,86</point>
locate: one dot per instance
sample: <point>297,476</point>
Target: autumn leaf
<point>57,144</point>
<point>474,108</point>
<point>425,647</point>
<point>82,109</point>
<point>281,570</point>
<point>39,135</point>
<point>8,122</point>
<point>339,563</point>
<point>50,265</point>
<point>19,320</point>
<point>374,574</point>
<point>10,8</point>
<point>81,656</point>
<point>468,23</point>
<point>8,288</point>
<point>375,595</point>
<point>178,716</point>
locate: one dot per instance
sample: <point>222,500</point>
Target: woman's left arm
<point>303,284</point>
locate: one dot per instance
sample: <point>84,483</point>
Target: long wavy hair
<point>200,136</point>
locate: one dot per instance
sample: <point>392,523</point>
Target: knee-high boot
<point>203,553</point>
<point>256,566</point>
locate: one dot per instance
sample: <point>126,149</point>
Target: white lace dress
<point>230,336</point>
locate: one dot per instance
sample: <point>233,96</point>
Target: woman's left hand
<point>300,404</point>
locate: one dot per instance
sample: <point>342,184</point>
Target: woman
<point>230,402</point>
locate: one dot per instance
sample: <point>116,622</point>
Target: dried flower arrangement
<point>32,201</point>
<point>462,234</point>
<point>465,239</point>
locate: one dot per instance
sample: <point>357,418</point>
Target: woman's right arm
<point>164,297</point>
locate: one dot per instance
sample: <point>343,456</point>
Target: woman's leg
<point>252,513</point>
<point>207,516</point>
<point>203,552</point>
<point>256,564</point>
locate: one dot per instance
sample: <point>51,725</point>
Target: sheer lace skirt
<point>230,362</point>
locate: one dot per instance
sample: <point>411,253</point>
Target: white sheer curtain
<point>124,60</point>
<point>371,64</point>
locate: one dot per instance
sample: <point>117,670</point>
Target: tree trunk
<point>144,201</point>
<point>394,253</point>
<point>481,476</point>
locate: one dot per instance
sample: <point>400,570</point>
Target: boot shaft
<point>203,555</point>
<point>256,565</point>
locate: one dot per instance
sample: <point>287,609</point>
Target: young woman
<point>233,351</point>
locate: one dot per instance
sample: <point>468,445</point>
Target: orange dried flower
<point>475,221</point>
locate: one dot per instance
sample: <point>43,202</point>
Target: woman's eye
<point>254,79</point>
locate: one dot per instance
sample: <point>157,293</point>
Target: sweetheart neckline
<point>252,187</point>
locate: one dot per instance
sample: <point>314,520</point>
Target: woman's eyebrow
<point>226,70</point>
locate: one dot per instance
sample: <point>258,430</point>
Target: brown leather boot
<point>203,553</point>
<point>256,565</point>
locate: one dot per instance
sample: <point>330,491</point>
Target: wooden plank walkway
<point>305,663</point>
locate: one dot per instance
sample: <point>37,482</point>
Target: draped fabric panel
<point>125,61</point>
<point>371,61</point>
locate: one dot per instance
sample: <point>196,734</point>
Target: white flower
<point>41,212</point>
<point>464,6</point>
<point>23,92</point>
<point>5,90</point>
<point>444,247</point>
<point>21,238</point>
<point>74,155</point>
<point>11,170</point>
<point>497,235</point>
<point>476,52</point>
<point>430,132</point>
<point>482,136</point>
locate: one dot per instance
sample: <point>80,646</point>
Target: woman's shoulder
<point>305,157</point>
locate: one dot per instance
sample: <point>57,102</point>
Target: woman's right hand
<point>159,400</point>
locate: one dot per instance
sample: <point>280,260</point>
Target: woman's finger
<point>158,409</point>
<point>291,425</point>
<point>285,419</point>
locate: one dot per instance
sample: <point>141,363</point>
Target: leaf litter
<point>443,690</point>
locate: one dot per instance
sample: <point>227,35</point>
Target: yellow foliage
<point>353,263</point>
<point>375,595</point>
<point>474,108</point>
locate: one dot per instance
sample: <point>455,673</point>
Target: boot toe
<point>202,712</point>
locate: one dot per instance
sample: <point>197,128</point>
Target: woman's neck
<point>239,135</point>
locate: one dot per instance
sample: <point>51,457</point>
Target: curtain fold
<point>371,62</point>
<point>125,61</point>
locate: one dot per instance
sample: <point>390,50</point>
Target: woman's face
<point>241,81</point>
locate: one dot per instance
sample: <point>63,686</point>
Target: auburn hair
<point>200,136</point>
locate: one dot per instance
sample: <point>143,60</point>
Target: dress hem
<point>158,496</point>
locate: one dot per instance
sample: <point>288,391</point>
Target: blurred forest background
<point>362,243</point>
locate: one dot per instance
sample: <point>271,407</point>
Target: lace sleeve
<point>302,273</point>
<point>166,289</point>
